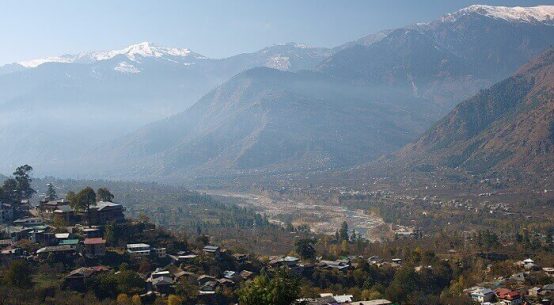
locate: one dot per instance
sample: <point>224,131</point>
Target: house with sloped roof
<point>161,280</point>
<point>94,247</point>
<point>60,250</point>
<point>508,296</point>
<point>340,265</point>
<point>75,280</point>
<point>104,212</point>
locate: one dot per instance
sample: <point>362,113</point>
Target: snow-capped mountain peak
<point>144,49</point>
<point>39,61</point>
<point>133,53</point>
<point>543,13</point>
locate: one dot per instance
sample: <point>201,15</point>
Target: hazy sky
<point>31,29</point>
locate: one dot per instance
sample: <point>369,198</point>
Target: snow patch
<point>125,67</point>
<point>541,14</point>
<point>278,62</point>
<point>39,61</point>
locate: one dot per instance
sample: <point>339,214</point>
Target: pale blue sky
<point>31,29</point>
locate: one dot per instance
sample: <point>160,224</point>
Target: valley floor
<point>321,217</point>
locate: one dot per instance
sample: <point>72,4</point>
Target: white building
<point>136,250</point>
<point>481,294</point>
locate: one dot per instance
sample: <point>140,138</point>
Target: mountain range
<point>59,107</point>
<point>308,108</point>
<point>507,129</point>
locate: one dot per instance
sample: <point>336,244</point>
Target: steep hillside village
<point>82,248</point>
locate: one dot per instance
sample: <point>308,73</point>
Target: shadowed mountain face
<point>447,60</point>
<point>508,128</point>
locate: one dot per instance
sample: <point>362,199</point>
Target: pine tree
<point>51,192</point>
<point>343,232</point>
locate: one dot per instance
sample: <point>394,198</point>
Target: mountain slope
<point>266,120</point>
<point>451,58</point>
<point>508,128</point>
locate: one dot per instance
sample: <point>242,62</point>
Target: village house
<point>203,279</point>
<point>374,260</point>
<point>397,261</point>
<point>47,207</point>
<point>61,236</point>
<point>104,212</point>
<point>75,280</point>
<point>214,250</point>
<point>246,275</point>
<point>480,294</point>
<point>509,297</point>
<point>373,302</point>
<point>231,275</point>
<point>240,258</point>
<point>345,298</point>
<point>42,236</point>
<point>138,250</point>
<point>160,252</point>
<point>288,261</point>
<point>161,281</point>
<point>224,282</point>
<point>182,258</point>
<point>64,250</point>
<point>328,300</point>
<point>92,232</point>
<point>548,271</point>
<point>95,247</point>
<point>6,212</point>
<point>13,252</point>
<point>340,265</point>
<point>73,243</point>
<point>64,214</point>
<point>209,287</point>
<point>28,222</point>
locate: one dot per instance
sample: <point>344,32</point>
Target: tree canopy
<point>305,248</point>
<point>18,274</point>
<point>103,194</point>
<point>19,187</point>
<point>83,200</point>
<point>282,289</point>
<point>343,232</point>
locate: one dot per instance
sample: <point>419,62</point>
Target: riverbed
<point>323,218</point>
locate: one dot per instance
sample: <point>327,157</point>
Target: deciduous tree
<point>103,194</point>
